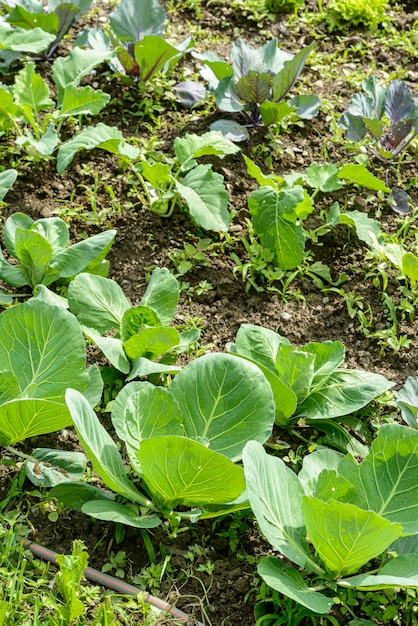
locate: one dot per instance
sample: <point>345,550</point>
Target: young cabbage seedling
<point>257,82</point>
<point>390,116</point>
<point>137,49</point>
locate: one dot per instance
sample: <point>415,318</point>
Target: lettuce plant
<point>350,15</point>
<point>170,182</point>
<point>41,350</point>
<point>55,19</point>
<point>308,382</point>
<point>336,516</point>
<point>43,255</point>
<point>182,442</point>
<point>142,342</point>
<point>258,81</point>
<point>135,42</point>
<point>28,112</point>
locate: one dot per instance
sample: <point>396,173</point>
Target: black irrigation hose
<point>115,584</point>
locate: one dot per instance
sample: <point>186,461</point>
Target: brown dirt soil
<point>145,240</point>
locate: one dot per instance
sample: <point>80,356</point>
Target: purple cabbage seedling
<point>134,39</point>
<point>390,116</point>
<point>256,83</point>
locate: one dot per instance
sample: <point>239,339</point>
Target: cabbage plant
<point>134,41</point>
<point>43,255</point>
<point>256,83</point>
<point>142,342</point>
<point>309,382</point>
<point>183,443</point>
<point>35,27</point>
<point>340,523</point>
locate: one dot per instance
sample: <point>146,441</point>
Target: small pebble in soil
<point>285,316</point>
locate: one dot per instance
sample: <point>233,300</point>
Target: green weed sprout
<point>283,6</point>
<point>348,15</point>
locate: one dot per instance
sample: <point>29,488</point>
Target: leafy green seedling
<point>56,18</point>
<point>43,255</point>
<point>29,113</point>
<point>182,442</point>
<point>171,182</point>
<point>309,382</point>
<point>41,350</point>
<point>390,116</point>
<point>280,206</point>
<point>257,83</point>
<point>134,41</point>
<point>283,6</point>
<point>143,342</point>
<point>337,516</point>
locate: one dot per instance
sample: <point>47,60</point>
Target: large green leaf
<point>35,254</point>
<point>359,174</point>
<point>398,572</point>
<point>111,347</point>
<point>119,406</point>
<point>54,229</point>
<point>108,138</point>
<point>296,369</point>
<point>259,344</point>
<point>275,495</point>
<point>22,40</point>
<point>274,220</point>
<point>119,513</point>
<point>345,536</point>
<point>152,342</point>
<point>31,90</point>
<point>387,480</point>
<point>132,20</point>
<point>345,391</point>
<point>407,401</point>
<point>206,197</point>
<point>162,294</point>
<point>194,146</point>
<point>286,78</point>
<point>150,412</point>
<point>98,302</point>
<point>7,178</point>
<point>70,69</point>
<point>288,580</point>
<point>329,355</point>
<point>181,471</point>
<point>100,448</point>
<point>79,256</point>
<point>82,101</point>
<point>225,402</point>
<point>44,347</point>
<point>153,55</point>
<point>29,417</point>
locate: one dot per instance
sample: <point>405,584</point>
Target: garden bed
<point>211,565</point>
